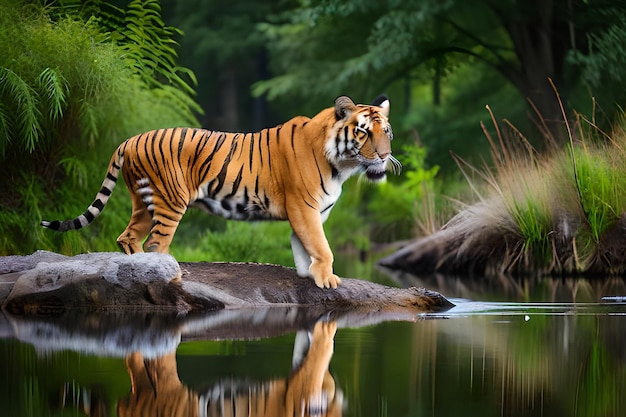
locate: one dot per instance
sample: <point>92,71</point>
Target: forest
<point>510,109</point>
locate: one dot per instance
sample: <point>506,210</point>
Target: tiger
<point>293,171</point>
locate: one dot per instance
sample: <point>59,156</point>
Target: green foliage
<point>397,206</point>
<point>149,47</point>
<point>602,185</point>
<point>263,242</point>
<point>602,61</point>
<point>226,51</point>
<point>27,109</point>
<point>21,108</point>
<point>348,226</point>
<point>379,43</point>
<point>606,54</point>
<point>534,220</point>
<point>69,96</point>
<point>454,124</point>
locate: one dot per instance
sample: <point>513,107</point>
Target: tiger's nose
<point>383,155</point>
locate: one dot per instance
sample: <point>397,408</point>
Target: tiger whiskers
<point>396,166</point>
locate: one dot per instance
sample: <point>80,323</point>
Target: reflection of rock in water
<point>309,390</point>
<point>110,334</point>
<point>155,334</point>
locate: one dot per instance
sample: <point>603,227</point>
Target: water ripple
<point>463,307</point>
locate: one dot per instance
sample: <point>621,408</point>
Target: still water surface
<point>527,348</point>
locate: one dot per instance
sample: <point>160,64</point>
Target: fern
<point>23,106</point>
<point>53,87</point>
<point>69,90</point>
<point>5,128</point>
<point>75,170</point>
<point>150,45</point>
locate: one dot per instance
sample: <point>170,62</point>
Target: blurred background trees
<point>100,71</point>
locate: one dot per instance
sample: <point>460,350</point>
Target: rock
<point>48,284</point>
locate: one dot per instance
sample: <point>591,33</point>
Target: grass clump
<point>560,212</point>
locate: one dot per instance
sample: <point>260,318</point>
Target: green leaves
<point>27,110</point>
<point>151,54</point>
<point>72,86</point>
<point>20,113</point>
<point>53,92</point>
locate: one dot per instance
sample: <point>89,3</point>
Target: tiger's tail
<point>96,207</point>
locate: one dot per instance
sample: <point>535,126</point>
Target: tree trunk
<point>540,43</point>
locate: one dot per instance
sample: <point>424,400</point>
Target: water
<point>528,348</point>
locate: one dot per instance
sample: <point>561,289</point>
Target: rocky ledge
<point>49,284</point>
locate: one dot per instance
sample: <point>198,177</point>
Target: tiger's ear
<point>383,102</point>
<point>343,107</point>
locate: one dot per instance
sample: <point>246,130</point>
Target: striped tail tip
<point>72,224</point>
<point>54,225</point>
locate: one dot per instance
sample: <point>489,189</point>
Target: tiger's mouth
<point>375,175</point>
<point>374,170</point>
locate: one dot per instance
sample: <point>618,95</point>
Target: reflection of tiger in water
<point>290,172</point>
<point>308,391</point>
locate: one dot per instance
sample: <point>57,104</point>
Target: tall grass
<point>566,205</point>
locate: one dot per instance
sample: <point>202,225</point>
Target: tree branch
<point>491,48</point>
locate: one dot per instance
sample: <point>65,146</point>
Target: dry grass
<point>558,212</point>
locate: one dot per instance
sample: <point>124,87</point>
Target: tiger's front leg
<point>311,252</point>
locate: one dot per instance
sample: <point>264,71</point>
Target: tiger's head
<point>361,138</point>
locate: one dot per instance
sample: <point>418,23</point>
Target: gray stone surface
<point>49,284</point>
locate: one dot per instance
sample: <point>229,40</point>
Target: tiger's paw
<point>330,281</point>
<point>322,273</point>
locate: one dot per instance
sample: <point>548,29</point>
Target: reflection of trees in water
<point>308,390</point>
<point>565,364</point>
<point>508,288</point>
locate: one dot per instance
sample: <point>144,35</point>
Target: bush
<point>68,96</point>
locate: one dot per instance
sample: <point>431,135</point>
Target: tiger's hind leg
<point>165,220</point>
<point>138,227</point>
